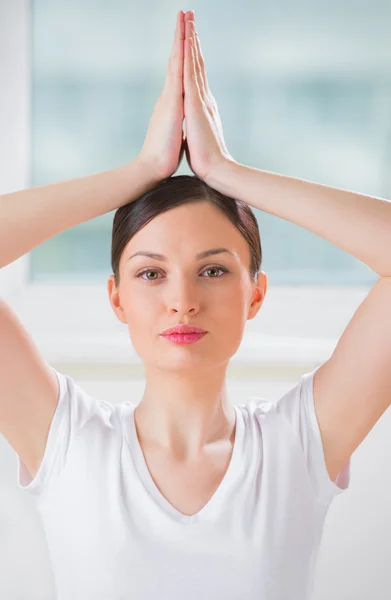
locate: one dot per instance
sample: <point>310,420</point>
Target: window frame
<point>296,327</point>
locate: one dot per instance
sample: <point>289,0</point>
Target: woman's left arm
<point>352,389</point>
<point>359,224</point>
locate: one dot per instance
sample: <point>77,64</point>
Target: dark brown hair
<point>172,192</point>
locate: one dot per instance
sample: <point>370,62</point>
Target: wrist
<point>146,170</point>
<point>132,180</point>
<point>218,176</point>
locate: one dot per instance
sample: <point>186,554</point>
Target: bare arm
<point>30,217</point>
<point>356,223</point>
<point>352,389</point>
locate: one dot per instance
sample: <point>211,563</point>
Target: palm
<point>163,146</point>
<point>205,140</point>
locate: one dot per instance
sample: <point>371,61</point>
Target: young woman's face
<point>215,293</point>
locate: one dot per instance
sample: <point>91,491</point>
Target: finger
<point>189,15</point>
<point>201,62</point>
<point>180,46</point>
<point>187,152</point>
<point>190,34</point>
<point>174,45</point>
<point>175,68</point>
<point>190,78</point>
<point>207,93</point>
<point>200,79</point>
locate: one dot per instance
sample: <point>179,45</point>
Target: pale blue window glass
<point>298,95</point>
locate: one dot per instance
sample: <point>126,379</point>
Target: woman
<point>187,495</point>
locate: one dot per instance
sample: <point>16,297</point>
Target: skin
<point>185,410</point>
<point>185,405</point>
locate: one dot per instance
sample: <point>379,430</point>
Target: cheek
<point>140,299</point>
<point>231,303</point>
<point>140,311</point>
<point>142,315</point>
<point>230,314</point>
<point>142,326</point>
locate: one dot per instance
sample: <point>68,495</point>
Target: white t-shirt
<point>112,535</point>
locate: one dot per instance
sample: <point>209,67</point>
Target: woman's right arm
<point>30,217</point>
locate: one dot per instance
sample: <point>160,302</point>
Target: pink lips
<point>183,329</point>
<point>185,338</point>
<point>184,334</point>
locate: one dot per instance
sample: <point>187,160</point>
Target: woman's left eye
<point>212,268</point>
<point>216,269</point>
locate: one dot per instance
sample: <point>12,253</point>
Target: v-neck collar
<point>154,491</point>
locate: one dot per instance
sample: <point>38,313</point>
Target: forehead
<point>188,230</point>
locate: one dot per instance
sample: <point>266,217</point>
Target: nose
<point>183,298</point>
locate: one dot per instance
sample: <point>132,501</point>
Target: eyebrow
<point>200,255</point>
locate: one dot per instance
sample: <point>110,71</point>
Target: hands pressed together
<point>186,95</point>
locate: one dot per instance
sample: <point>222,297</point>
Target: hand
<point>164,143</point>
<point>204,145</point>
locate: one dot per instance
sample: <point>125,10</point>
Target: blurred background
<point>304,89</point>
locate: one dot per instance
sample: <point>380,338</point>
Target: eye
<point>211,268</point>
<point>215,268</point>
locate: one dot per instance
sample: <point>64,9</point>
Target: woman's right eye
<point>147,271</point>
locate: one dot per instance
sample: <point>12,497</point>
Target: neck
<point>185,413</point>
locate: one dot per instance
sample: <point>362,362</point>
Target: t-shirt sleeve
<point>74,408</point>
<point>298,408</point>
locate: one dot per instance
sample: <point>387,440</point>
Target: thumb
<point>183,146</point>
<point>186,148</point>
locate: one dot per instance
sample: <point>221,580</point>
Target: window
<point>297,94</point>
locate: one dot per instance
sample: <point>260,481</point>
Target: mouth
<point>183,329</point>
<point>184,338</point>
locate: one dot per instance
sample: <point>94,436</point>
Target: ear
<point>258,294</point>
<point>114,300</point>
